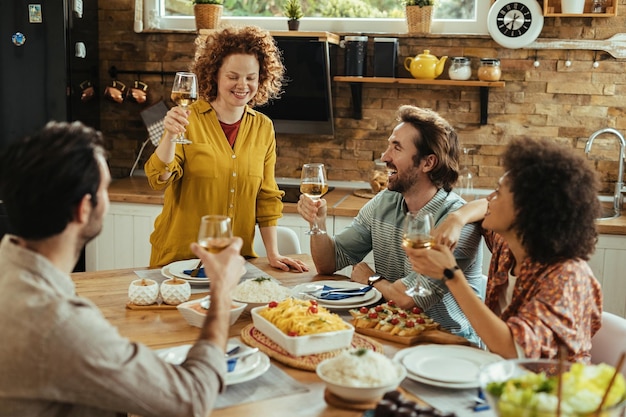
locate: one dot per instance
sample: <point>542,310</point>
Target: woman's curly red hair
<point>250,40</point>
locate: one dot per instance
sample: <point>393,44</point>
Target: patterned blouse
<point>552,305</point>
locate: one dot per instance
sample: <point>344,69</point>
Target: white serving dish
<point>303,345</point>
<point>360,394</point>
<point>196,318</point>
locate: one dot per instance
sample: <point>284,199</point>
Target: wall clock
<point>515,23</point>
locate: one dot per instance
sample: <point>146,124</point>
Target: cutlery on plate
<point>323,292</point>
<point>194,272</point>
<point>243,354</point>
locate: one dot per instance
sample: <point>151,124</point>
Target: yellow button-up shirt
<point>210,177</point>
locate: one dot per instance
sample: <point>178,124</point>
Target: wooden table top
<point>166,328</point>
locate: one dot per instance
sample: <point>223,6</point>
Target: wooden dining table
<point>162,328</point>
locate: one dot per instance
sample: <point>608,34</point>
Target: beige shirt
<point>60,357</point>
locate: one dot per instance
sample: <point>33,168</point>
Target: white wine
<point>314,189</point>
<point>183,98</point>
<point>418,242</point>
<point>215,244</point>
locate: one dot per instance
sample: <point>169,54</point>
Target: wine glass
<point>184,93</point>
<point>466,178</point>
<point>314,185</point>
<point>418,229</point>
<point>215,233</point>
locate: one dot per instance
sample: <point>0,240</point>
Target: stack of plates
<point>176,269</point>
<point>246,369</point>
<point>307,292</point>
<point>447,366</point>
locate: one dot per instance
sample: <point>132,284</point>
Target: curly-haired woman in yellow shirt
<point>228,168</point>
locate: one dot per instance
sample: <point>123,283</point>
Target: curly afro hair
<point>249,40</point>
<point>555,195</point>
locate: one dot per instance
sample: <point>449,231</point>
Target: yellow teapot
<point>425,66</point>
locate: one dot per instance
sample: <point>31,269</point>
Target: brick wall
<point>565,104</point>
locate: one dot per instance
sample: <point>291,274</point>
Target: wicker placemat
<point>254,337</point>
<point>338,402</point>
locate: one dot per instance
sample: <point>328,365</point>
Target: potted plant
<point>208,13</point>
<point>419,14</point>
<point>293,11</point>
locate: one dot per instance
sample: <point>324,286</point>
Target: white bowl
<point>175,291</point>
<point>502,371</point>
<point>195,315</point>
<point>358,394</point>
<point>303,345</point>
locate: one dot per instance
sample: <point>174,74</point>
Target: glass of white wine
<point>215,233</point>
<point>314,185</point>
<point>184,93</point>
<point>417,234</point>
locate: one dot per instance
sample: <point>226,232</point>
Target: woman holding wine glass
<point>540,225</point>
<point>228,169</point>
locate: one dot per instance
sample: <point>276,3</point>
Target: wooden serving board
<point>156,306</point>
<point>429,336</point>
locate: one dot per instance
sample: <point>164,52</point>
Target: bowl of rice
<point>258,292</point>
<point>360,375</point>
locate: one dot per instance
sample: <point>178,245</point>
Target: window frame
<point>148,18</point>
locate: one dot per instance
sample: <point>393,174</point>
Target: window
<point>385,16</point>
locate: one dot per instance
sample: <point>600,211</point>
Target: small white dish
<point>175,291</point>
<point>307,291</point>
<point>195,314</point>
<point>143,292</point>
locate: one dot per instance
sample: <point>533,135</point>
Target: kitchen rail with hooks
<point>113,71</point>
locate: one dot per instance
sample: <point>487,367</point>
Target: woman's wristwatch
<point>448,273</point>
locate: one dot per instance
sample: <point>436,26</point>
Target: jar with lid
<point>460,69</point>
<point>489,69</point>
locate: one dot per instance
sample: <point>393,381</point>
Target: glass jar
<point>489,69</point>
<point>460,68</point>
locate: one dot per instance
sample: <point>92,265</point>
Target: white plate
<point>447,366</point>
<point>176,269</point>
<point>298,290</point>
<point>252,367</point>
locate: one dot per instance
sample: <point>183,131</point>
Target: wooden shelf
<point>552,8</point>
<point>356,84</point>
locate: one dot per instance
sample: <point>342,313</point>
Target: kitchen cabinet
<point>552,8</point>
<point>608,264</point>
<point>125,238</point>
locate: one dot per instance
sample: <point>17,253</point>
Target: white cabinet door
<point>608,264</point>
<point>125,238</point>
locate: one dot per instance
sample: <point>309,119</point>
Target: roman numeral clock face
<point>515,24</point>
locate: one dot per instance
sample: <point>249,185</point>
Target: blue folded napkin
<point>201,273</point>
<point>344,293</point>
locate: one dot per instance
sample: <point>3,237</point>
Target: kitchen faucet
<point>618,198</point>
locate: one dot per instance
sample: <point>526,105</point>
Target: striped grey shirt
<point>378,228</point>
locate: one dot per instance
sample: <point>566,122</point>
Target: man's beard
<point>402,183</point>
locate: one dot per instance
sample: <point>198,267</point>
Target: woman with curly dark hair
<point>540,227</point>
<point>228,168</point>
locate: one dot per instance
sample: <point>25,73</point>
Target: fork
<point>196,270</point>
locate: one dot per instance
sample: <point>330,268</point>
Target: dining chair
<point>610,341</point>
<point>288,242</point>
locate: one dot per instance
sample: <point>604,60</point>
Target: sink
<point>608,213</point>
<point>292,192</point>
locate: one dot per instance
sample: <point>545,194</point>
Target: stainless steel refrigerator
<point>48,62</point>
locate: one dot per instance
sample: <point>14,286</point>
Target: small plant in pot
<point>293,11</point>
<point>208,13</point>
<point>420,3</point>
<point>419,15</point>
